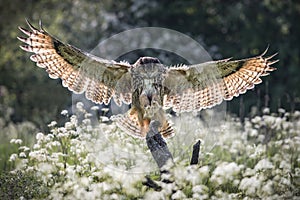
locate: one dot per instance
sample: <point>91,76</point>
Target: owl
<point>148,85</point>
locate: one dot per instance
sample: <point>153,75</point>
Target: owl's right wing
<point>79,71</point>
<point>200,86</point>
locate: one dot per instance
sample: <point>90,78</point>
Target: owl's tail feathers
<point>166,130</point>
<point>130,124</point>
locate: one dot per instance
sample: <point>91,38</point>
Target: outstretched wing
<point>79,71</point>
<point>196,87</point>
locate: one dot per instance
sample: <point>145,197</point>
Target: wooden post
<point>161,153</point>
<point>157,145</point>
<point>195,155</point>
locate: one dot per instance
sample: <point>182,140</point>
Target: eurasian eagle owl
<point>148,85</point>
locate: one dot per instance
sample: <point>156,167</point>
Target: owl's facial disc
<point>149,94</point>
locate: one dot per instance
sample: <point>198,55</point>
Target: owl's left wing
<point>79,71</point>
<point>196,87</point>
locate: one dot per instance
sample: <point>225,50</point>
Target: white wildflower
<point>269,120</point>
<point>114,196</point>
<point>200,192</point>
<point>13,157</point>
<point>263,164</point>
<point>64,112</point>
<point>150,195</point>
<point>250,185</point>
<point>236,146</point>
<point>84,181</point>
<point>261,138</point>
<point>79,105</point>
<point>24,148</point>
<point>225,172</point>
<point>68,125</point>
<point>22,155</point>
<point>45,167</point>
<point>266,111</point>
<point>62,132</point>
<point>287,125</point>
<point>297,113</point>
<point>55,143</point>
<point>281,110</point>
<point>74,120</point>
<point>267,188</point>
<point>16,141</point>
<point>256,120</point>
<point>36,146</point>
<point>105,110</point>
<point>95,108</point>
<point>104,119</point>
<point>61,172</point>
<point>86,121</point>
<point>39,136</point>
<point>286,166</point>
<point>204,171</point>
<point>236,182</point>
<point>278,143</point>
<point>88,115</point>
<point>38,155</point>
<point>249,172</point>
<point>52,124</point>
<point>253,133</point>
<point>178,195</point>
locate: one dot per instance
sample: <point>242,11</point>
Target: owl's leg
<point>152,110</point>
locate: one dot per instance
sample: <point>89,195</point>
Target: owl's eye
<point>156,86</point>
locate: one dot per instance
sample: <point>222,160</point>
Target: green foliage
<point>10,131</point>
<point>22,185</point>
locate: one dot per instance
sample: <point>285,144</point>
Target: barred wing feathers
<point>79,71</point>
<point>196,87</point>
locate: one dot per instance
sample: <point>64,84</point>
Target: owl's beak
<point>149,96</point>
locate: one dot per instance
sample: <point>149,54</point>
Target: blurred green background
<point>29,99</point>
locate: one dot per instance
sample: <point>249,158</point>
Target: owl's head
<point>146,60</point>
<point>147,75</point>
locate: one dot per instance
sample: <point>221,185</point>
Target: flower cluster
<point>256,159</point>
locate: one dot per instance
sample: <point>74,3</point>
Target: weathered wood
<point>195,155</point>
<point>157,145</point>
<point>161,154</point>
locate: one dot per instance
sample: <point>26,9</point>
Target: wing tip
<point>270,57</point>
<point>33,28</point>
<point>22,39</point>
<point>265,51</point>
<point>25,31</point>
<point>30,25</point>
<point>273,62</point>
<point>25,48</point>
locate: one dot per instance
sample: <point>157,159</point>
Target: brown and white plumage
<point>148,85</point>
<point>80,72</point>
<point>208,84</point>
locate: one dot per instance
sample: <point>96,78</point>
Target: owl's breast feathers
<point>147,98</point>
